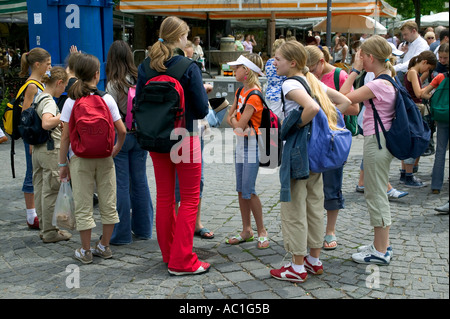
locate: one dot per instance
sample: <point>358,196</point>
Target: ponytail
<point>171,30</point>
<point>56,73</point>
<point>380,49</point>
<point>85,69</point>
<point>423,56</point>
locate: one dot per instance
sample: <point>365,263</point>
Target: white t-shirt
<point>290,85</point>
<point>68,106</point>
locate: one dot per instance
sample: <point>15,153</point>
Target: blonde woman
<point>302,208</point>
<point>375,56</point>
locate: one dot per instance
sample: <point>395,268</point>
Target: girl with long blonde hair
<point>302,216</point>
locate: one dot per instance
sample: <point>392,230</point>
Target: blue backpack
<point>409,135</point>
<point>327,149</point>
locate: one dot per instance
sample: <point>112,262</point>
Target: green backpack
<point>351,121</point>
<point>439,102</point>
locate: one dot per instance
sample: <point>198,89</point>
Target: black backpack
<point>159,109</point>
<point>270,138</point>
<point>30,126</point>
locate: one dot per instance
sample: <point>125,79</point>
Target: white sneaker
<point>365,247</point>
<point>204,268</point>
<point>442,209</point>
<point>396,194</point>
<point>371,256</point>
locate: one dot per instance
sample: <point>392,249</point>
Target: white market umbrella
<point>432,20</point>
<point>352,24</point>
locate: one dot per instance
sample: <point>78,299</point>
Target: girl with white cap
<point>246,122</point>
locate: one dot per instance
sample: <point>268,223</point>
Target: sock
<point>314,261</point>
<point>31,214</point>
<point>82,251</point>
<point>298,268</point>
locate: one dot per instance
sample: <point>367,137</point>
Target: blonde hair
<point>56,73</point>
<point>380,49</point>
<point>252,77</point>
<point>276,44</point>
<point>314,55</point>
<point>295,51</point>
<point>428,34</point>
<point>410,25</point>
<point>170,32</point>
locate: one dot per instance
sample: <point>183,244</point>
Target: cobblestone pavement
<point>419,236</point>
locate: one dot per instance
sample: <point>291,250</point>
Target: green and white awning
<point>12,6</point>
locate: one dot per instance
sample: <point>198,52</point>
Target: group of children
<point>301,216</point>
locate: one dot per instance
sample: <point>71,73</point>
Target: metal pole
<point>329,24</point>
<point>208,27</point>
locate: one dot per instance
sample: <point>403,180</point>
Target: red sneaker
<point>289,274</point>
<point>35,224</point>
<point>315,270</point>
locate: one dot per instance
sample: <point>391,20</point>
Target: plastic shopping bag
<point>63,216</point>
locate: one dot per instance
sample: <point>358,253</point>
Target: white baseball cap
<point>395,51</point>
<point>242,60</point>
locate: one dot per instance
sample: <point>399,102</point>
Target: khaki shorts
<point>86,173</point>
<point>376,178</point>
<point>302,221</point>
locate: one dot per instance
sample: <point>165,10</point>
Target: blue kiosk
<point>56,25</point>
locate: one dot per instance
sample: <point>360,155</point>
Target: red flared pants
<point>176,232</point>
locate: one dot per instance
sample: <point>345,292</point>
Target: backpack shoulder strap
<point>179,68</point>
<point>45,96</point>
<point>390,79</point>
<point>302,82</point>
<point>337,73</point>
<point>24,87</point>
<point>176,70</point>
<point>100,93</point>
<point>253,92</point>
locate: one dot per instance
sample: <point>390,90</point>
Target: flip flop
<point>202,233</point>
<point>261,240</point>
<point>240,240</point>
<point>329,239</point>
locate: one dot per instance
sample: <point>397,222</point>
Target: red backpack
<point>91,127</point>
<point>270,143</point>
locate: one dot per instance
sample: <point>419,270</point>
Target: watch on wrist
<point>356,71</point>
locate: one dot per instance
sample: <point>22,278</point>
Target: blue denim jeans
<point>437,176</point>
<point>332,189</point>
<point>133,194</point>
<point>28,181</point>
<point>247,166</point>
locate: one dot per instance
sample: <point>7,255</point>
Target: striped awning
<point>256,9</point>
<point>12,6</point>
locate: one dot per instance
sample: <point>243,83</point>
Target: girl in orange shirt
<point>246,127</point>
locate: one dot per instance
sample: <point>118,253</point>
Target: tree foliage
<point>406,8</point>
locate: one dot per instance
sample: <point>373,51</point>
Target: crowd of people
<point>120,179</point>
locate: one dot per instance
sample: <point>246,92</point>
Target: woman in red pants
<point>175,232</point>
